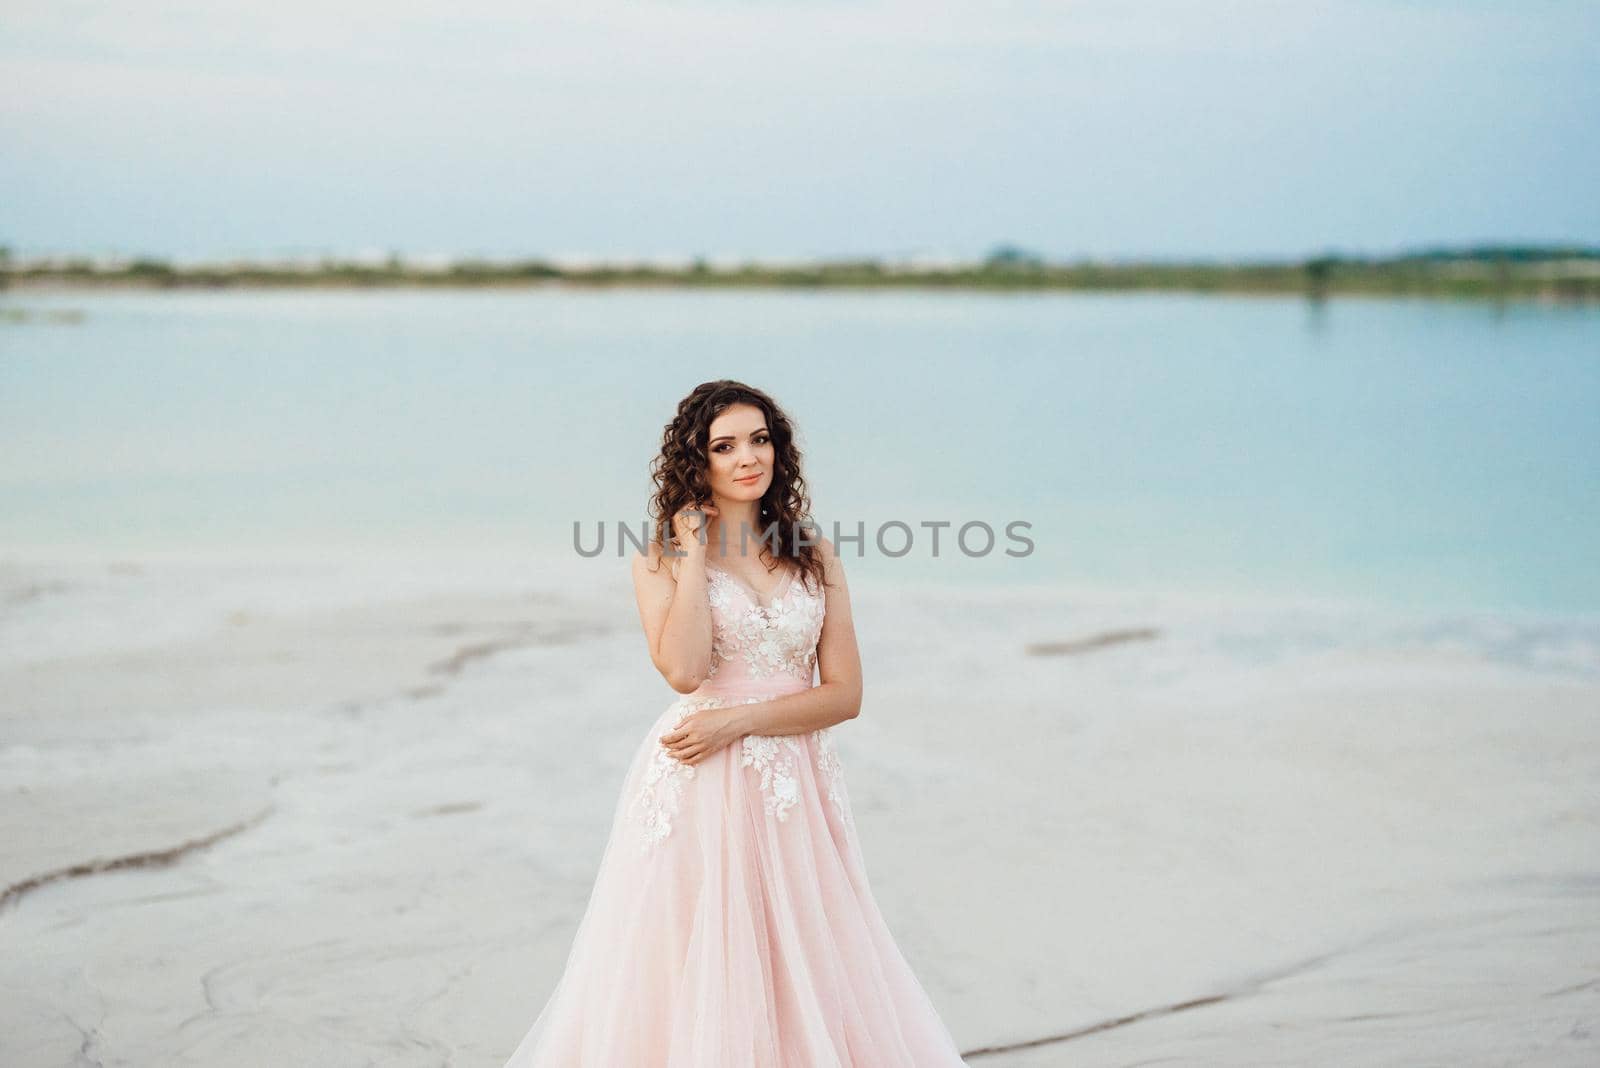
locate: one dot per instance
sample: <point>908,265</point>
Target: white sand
<point>1353,839</point>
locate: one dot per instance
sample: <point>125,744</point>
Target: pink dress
<point>731,924</point>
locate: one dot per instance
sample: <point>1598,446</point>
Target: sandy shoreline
<point>369,819</point>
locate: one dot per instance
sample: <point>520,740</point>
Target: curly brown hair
<point>679,474</point>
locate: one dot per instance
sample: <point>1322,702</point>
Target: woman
<point>731,924</point>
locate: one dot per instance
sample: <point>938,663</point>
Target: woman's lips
<point>750,478</point>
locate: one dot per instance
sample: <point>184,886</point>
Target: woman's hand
<point>703,733</point>
<point>688,527</point>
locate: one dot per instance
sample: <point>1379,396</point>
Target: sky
<point>795,128</point>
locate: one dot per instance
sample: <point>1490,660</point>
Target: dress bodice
<point>762,646</point>
<point>760,650</point>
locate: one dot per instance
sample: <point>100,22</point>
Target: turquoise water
<point>1419,453</point>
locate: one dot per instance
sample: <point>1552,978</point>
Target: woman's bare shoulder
<point>653,563</point>
<point>832,562</point>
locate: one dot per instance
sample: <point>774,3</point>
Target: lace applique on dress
<point>832,773</point>
<point>778,637</point>
<point>661,793</point>
<point>777,757</point>
<point>658,799</point>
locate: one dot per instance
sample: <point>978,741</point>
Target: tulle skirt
<point>731,925</point>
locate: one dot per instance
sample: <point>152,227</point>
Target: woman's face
<point>740,454</point>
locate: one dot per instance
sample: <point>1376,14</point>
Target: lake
<point>1410,453</point>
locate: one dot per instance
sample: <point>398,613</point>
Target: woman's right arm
<point>675,613</point>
